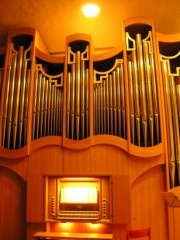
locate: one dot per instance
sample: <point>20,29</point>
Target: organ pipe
<point>47,104</point>
<point>123,104</point>
<point>15,106</point>
<point>107,106</point>
<point>77,90</point>
<point>42,105</point>
<point>26,102</point>
<point>143,107</point>
<point>144,110</point>
<point>5,109</point>
<point>10,101</point>
<point>23,101</point>
<point>87,99</point>
<point>171,91</point>
<point>77,98</point>
<point>109,101</point>
<point>154,92</point>
<point>131,102</point>
<point>148,92</point>
<point>82,98</point>
<point>136,98</point>
<point>119,75</point>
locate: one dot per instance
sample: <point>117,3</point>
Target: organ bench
<point>66,235</point>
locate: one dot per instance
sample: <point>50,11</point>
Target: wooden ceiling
<point>56,19</point>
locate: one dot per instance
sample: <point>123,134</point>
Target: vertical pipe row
<point>77,90</point>
<point>87,102</point>
<point>177,121</point>
<point>109,103</point>
<point>26,102</point>
<point>143,95</point>
<point>16,99</point>
<point>171,91</point>
<point>176,125</point>
<point>77,97</point>
<point>131,102</point>
<point>47,107</point>
<point>144,113</point>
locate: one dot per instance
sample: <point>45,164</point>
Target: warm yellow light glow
<point>65,226</point>
<point>79,195</point>
<point>94,226</point>
<point>90,10</point>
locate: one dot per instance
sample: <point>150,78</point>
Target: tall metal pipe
<point>131,102</point>
<point>143,106</point>
<point>11,99</point>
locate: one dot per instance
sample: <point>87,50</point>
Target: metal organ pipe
<point>171,90</point>
<point>10,101</point>
<point>148,92</point>
<point>136,98</point>
<point>109,101</point>
<point>77,91</point>
<point>82,98</point>
<point>144,112</point>
<point>114,84</point>
<point>119,75</point>
<point>131,102</point>
<point>15,98</point>
<point>42,104</point>
<point>22,104</point>
<point>5,109</point>
<point>143,107</point>
<point>26,101</point>
<point>77,99</point>
<point>47,105</point>
<point>154,92</point>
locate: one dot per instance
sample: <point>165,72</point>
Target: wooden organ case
<point>82,114</point>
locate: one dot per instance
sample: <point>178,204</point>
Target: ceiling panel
<point>56,19</point>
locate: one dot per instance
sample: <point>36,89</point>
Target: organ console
<point>83,199</point>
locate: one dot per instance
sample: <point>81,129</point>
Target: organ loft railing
<point>143,96</point>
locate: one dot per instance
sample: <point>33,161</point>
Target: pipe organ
<point>128,97</point>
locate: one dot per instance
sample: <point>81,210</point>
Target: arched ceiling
<point>56,19</point>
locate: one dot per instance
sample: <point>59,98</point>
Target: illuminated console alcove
<point>85,199</point>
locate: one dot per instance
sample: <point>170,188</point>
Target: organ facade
<point>112,115</point>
